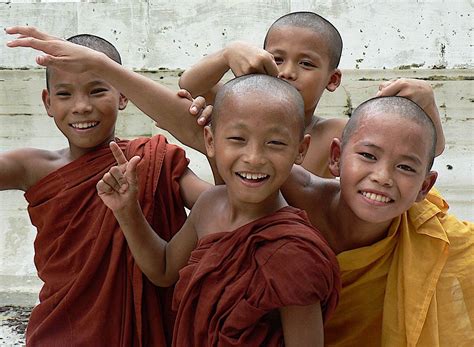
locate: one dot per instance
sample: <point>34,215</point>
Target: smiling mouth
<point>252,177</point>
<point>84,125</point>
<point>377,197</point>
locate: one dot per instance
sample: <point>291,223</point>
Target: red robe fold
<point>94,294</point>
<point>234,283</point>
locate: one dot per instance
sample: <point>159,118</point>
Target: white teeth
<point>376,197</point>
<point>252,176</point>
<point>84,125</point>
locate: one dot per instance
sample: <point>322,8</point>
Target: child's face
<point>84,108</point>
<point>255,146</point>
<point>382,167</point>
<point>303,60</point>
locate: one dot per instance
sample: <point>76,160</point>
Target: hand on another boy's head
<point>418,91</point>
<point>60,53</point>
<point>118,188</point>
<point>198,107</point>
<point>422,94</point>
<point>243,59</point>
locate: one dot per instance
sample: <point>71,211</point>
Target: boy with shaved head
<point>406,264</point>
<point>237,287</point>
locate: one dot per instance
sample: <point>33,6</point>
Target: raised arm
<point>160,103</point>
<point>418,91</point>
<point>242,58</point>
<point>159,260</point>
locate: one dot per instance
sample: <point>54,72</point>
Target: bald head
<point>267,89</point>
<point>389,106</point>
<point>317,24</point>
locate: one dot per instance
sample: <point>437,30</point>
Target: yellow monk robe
<point>413,288</point>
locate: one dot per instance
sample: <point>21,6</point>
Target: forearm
<point>163,105</point>
<point>204,75</point>
<point>148,249</point>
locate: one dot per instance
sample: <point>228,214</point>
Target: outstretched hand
<point>118,188</point>
<point>59,53</point>
<point>420,92</point>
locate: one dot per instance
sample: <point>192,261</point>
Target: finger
<point>131,173</point>
<point>117,153</point>
<point>198,105</point>
<point>29,31</point>
<point>121,184</point>
<point>183,93</point>
<point>390,88</point>
<point>110,180</point>
<point>205,116</point>
<point>271,68</point>
<point>103,188</point>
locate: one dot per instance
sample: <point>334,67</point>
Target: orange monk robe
<point>230,292</point>
<point>93,293</point>
<point>413,288</point>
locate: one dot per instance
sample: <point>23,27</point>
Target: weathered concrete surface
<point>165,33</point>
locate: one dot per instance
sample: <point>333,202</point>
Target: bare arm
<point>160,261</point>
<point>418,91</point>
<point>302,325</point>
<point>13,174</point>
<point>160,103</point>
<point>240,57</point>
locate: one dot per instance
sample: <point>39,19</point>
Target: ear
<point>428,183</point>
<point>334,80</point>
<point>335,157</point>
<point>303,149</point>
<point>123,101</point>
<point>209,141</point>
<point>46,101</point>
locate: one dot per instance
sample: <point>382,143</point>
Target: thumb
<point>46,60</point>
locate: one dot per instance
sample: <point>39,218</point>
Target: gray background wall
<point>432,40</point>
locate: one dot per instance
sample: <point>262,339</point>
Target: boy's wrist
<point>128,213</point>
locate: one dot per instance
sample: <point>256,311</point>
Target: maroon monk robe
<point>234,283</point>
<point>94,294</point>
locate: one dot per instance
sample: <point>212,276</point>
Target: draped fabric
<point>413,288</point>
<point>94,294</point>
<point>230,292</point>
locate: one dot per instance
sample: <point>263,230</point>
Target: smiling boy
<point>406,264</point>
<point>94,294</point>
<point>237,286</point>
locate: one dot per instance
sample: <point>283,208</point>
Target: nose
<point>254,155</point>
<point>287,71</point>
<point>382,175</point>
<point>82,105</point>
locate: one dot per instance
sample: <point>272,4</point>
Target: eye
<point>277,143</point>
<point>367,156</point>
<point>62,93</point>
<point>278,60</point>
<point>236,139</point>
<point>406,168</point>
<point>307,63</point>
<point>98,90</point>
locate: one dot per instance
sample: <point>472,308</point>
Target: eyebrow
<point>65,85</point>
<point>413,158</point>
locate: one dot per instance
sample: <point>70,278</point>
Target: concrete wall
<point>431,40</point>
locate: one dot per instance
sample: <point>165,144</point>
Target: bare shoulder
<point>328,127</point>
<point>208,209</point>
<point>23,167</point>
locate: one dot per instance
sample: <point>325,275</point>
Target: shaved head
<point>317,24</point>
<point>266,88</point>
<point>388,106</point>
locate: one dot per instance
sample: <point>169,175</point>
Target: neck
<point>352,232</point>
<point>240,213</point>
